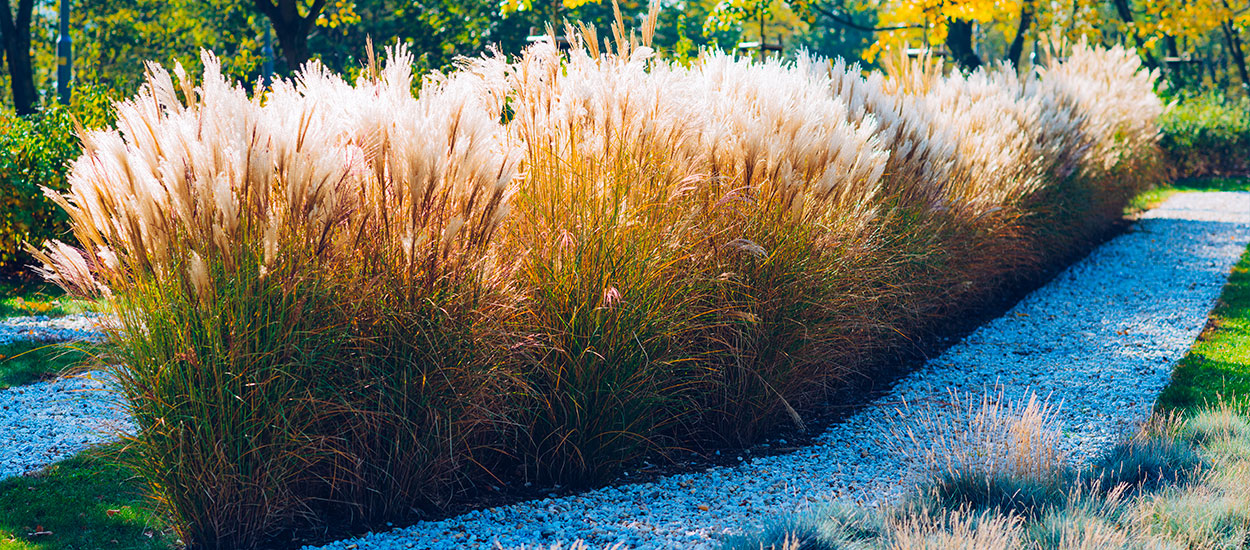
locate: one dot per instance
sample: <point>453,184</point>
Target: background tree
<point>15,33</point>
<point>292,25</point>
<point>115,37</point>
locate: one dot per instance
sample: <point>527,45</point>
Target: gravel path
<point>41,328</point>
<point>49,421</point>
<point>1101,339</point>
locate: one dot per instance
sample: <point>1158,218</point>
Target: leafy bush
<point>343,304</point>
<point>1208,135</point>
<point>35,152</point>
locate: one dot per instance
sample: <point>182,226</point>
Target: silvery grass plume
<point>922,149</point>
<point>993,123</point>
<point>1116,98</point>
<point>182,187</point>
<point>775,133</point>
<point>433,175</point>
<point>621,141</point>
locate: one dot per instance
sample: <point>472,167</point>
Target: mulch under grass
<point>85,502</point>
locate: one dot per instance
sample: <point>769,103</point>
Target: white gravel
<point>1101,338</point>
<point>41,328</point>
<point>50,421</point>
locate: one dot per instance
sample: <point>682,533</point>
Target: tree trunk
<point>1176,73</point>
<point>1122,8</point>
<point>1238,53</point>
<point>1233,36</point>
<point>16,38</point>
<point>959,43</point>
<point>291,28</point>
<point>1017,44</point>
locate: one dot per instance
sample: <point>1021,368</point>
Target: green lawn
<point>39,299</point>
<point>84,503</point>
<point>27,362</point>
<point>1156,196</point>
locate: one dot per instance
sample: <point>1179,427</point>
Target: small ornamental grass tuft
<point>1180,483</point>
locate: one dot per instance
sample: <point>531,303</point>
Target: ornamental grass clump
<point>1113,98</point>
<point>301,282</point>
<point>797,283</point>
<point>345,304</point>
<point>607,231</point>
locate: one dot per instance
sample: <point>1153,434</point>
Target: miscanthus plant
<point>342,304</point>
<point>304,285</point>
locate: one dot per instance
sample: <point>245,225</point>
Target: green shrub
<point>35,152</point>
<point>1208,135</point>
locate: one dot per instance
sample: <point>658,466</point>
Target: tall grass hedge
<point>341,304</point>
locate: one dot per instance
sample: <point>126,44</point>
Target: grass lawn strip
<point>27,362</point>
<point>39,299</point>
<point>86,502</point>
